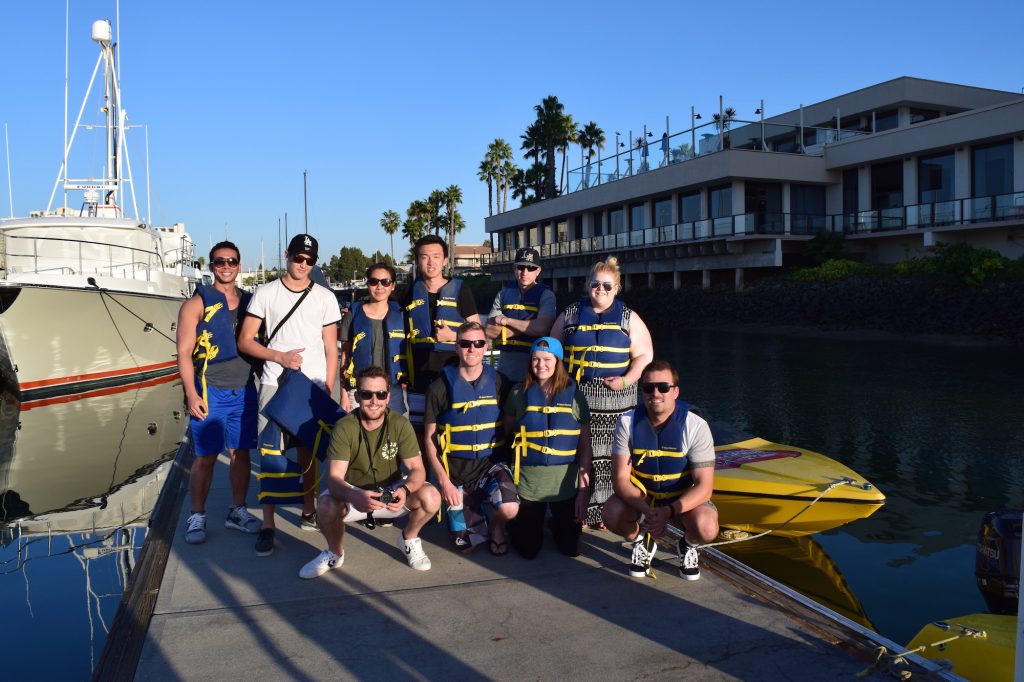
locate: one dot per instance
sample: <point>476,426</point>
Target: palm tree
<point>589,136</point>
<point>544,136</point>
<point>435,202</point>
<point>489,173</point>
<point>682,152</point>
<point>722,122</point>
<point>452,199</point>
<point>500,154</point>
<point>568,134</point>
<point>390,221</point>
<point>508,171</point>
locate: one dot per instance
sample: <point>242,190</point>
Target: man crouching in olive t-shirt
<point>364,479</point>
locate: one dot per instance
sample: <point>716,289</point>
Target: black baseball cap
<point>303,243</point>
<point>527,256</point>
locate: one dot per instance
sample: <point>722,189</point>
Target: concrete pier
<point>224,613</point>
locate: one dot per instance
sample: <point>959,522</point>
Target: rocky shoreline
<point>918,307</point>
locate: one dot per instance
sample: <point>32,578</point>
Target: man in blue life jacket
<point>434,308</point>
<point>663,470</point>
<point>369,449</point>
<point>523,311</point>
<point>219,391</point>
<point>464,444</point>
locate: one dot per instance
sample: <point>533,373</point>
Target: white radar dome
<point>101,31</point>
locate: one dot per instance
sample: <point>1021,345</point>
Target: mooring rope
<point>888,662</point>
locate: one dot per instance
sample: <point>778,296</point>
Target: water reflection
<point>935,427</point>
<point>79,477</point>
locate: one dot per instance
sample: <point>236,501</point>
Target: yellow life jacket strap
<point>552,432</point>
<point>447,323</point>
<point>601,326</point>
<point>513,342</point>
<point>550,451</point>
<point>451,304</point>
<point>644,454</point>
<point>654,496</point>
<point>209,311</point>
<point>519,447</point>
<point>474,403</point>
<point>444,441</point>
<point>549,409</point>
<point>207,351</point>
<point>475,447</point>
<point>520,306</point>
<point>474,427</point>
<point>657,478</point>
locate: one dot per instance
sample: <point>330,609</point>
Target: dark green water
<point>937,428</point>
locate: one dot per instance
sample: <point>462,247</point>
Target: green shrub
<point>960,264</point>
<point>830,271</point>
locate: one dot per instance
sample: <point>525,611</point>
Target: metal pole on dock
<point>305,204</point>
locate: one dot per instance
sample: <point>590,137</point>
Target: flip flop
<point>497,548</point>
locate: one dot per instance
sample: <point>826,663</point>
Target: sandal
<point>597,526</point>
<point>497,548</point>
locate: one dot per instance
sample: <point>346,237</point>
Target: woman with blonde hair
<point>606,347</point>
<point>548,419</point>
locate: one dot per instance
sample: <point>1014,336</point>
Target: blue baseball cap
<point>554,346</point>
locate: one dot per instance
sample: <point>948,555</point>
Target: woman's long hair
<point>558,382</point>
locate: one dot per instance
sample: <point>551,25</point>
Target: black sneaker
<point>689,562</point>
<point>265,542</point>
<point>644,549</point>
<point>308,522</point>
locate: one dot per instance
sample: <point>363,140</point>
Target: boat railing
<point>20,255</point>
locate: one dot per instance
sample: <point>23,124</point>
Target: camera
<point>387,495</point>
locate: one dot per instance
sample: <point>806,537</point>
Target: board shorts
<point>230,421</point>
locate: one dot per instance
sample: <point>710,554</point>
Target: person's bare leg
<point>199,480</point>
<point>239,471</point>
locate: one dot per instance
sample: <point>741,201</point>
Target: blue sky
<point>384,102</point>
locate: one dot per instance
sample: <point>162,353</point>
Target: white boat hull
<point>57,340</point>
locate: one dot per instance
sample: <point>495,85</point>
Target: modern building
<point>896,167</point>
<point>469,257</point>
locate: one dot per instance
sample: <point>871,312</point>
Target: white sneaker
<point>239,518</point>
<point>324,561</point>
<point>414,554</point>
<point>644,549</point>
<point>195,531</point>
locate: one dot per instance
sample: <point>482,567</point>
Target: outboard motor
<point>997,561</point>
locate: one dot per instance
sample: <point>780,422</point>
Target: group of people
<point>554,438</point>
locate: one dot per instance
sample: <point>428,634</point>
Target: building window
<point>919,115</point>
<point>689,207</point>
<point>637,217</point>
<point>887,120</point>
<point>562,228</point>
<point>807,208</point>
<point>598,220</point>
<point>616,221</point>
<point>935,178</point>
<point>851,192</point>
<point>992,169</point>
<point>720,201</point>
<point>663,212</point>
<point>887,185</point>
<point>764,201</point>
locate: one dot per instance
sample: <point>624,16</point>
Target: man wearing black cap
<point>523,311</point>
<point>300,320</point>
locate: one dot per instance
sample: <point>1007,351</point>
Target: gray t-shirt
<point>698,444</point>
<point>378,349</point>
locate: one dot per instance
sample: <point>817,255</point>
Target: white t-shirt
<point>698,444</point>
<point>304,329</point>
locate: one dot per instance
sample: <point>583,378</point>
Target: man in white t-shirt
<point>303,336</point>
<point>663,470</point>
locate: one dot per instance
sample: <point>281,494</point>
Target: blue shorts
<point>230,421</point>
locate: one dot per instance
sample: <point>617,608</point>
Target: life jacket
<point>519,306</point>
<point>216,333</point>
<point>469,428</point>
<point>362,343</point>
<point>548,435</point>
<point>658,463</point>
<point>308,414</point>
<point>421,327</point>
<point>597,345</point>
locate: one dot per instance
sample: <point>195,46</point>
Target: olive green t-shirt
<point>550,483</point>
<point>394,440</point>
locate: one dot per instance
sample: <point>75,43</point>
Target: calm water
<point>78,480</point>
<point>936,428</point>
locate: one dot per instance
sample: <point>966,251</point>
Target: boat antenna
<point>10,194</point>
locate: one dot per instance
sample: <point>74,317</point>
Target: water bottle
<point>457,531</point>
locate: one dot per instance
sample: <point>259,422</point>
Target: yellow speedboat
<point>982,649</point>
<point>760,485</point>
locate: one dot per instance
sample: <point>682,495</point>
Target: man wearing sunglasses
<point>219,391</point>
<point>663,470</point>
<point>463,441</point>
<point>523,311</point>
<point>301,322</point>
<point>367,447</point>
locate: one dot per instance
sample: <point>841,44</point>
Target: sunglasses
<point>225,261</point>
<point>662,386</point>
<point>303,260</point>
<point>382,281</point>
<point>608,286</point>
<point>475,343</point>
<point>366,395</point>
<point>528,268</point>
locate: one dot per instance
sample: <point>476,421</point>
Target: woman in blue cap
<point>548,418</point>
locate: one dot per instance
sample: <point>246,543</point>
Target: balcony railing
<point>58,256</point>
<point>919,216</point>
